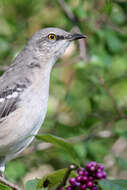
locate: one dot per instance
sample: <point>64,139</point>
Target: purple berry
<point>104,175</point>
<point>86,173</point>
<point>100,166</point>
<point>99,170</point>
<point>72,181</point>
<point>88,165</point>
<point>91,178</point>
<point>69,188</point>
<point>91,164</point>
<point>78,178</point>
<point>62,188</point>
<point>76,184</point>
<point>88,177</point>
<point>83,187</point>
<point>94,188</point>
<point>99,175</point>
<point>84,178</point>
<point>92,168</point>
<point>90,184</point>
<point>81,171</point>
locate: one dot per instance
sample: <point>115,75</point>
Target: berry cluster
<point>87,177</point>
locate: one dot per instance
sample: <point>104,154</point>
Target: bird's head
<point>52,42</point>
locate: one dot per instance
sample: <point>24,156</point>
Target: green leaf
<point>4,187</point>
<point>52,179</point>
<point>15,170</point>
<point>113,184</point>
<point>32,184</point>
<point>68,147</point>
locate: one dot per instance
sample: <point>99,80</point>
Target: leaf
<point>32,184</point>
<point>15,170</point>
<point>68,147</point>
<point>54,179</point>
<point>113,184</point>
<point>4,187</point>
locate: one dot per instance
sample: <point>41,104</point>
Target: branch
<point>9,184</point>
<point>67,11</point>
<point>73,19</point>
<point>64,181</point>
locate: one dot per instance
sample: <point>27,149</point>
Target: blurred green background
<point>88,94</point>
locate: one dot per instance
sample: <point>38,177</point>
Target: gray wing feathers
<point>7,106</point>
<point>13,82</point>
<point>10,93</point>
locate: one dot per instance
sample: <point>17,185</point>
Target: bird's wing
<point>12,84</point>
<point>10,93</point>
<point>8,100</point>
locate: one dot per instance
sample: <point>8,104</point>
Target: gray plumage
<point>24,90</point>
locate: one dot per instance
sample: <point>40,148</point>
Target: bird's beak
<point>76,36</point>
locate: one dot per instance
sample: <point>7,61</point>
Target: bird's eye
<point>51,36</point>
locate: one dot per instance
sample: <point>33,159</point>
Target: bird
<point>24,90</point>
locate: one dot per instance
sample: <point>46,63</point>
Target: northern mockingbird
<point>24,90</point>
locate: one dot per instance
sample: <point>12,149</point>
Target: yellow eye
<point>51,36</point>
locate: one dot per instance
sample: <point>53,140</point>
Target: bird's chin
<point>63,49</point>
<point>60,52</point>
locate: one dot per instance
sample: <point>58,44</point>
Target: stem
<point>9,184</point>
<point>64,181</point>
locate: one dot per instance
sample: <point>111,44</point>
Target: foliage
<point>4,187</point>
<point>88,97</point>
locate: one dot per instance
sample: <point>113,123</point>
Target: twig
<point>64,181</point>
<point>73,19</point>
<point>9,184</point>
<point>82,45</point>
<point>68,12</point>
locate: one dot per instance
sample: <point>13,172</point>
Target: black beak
<point>76,36</point>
